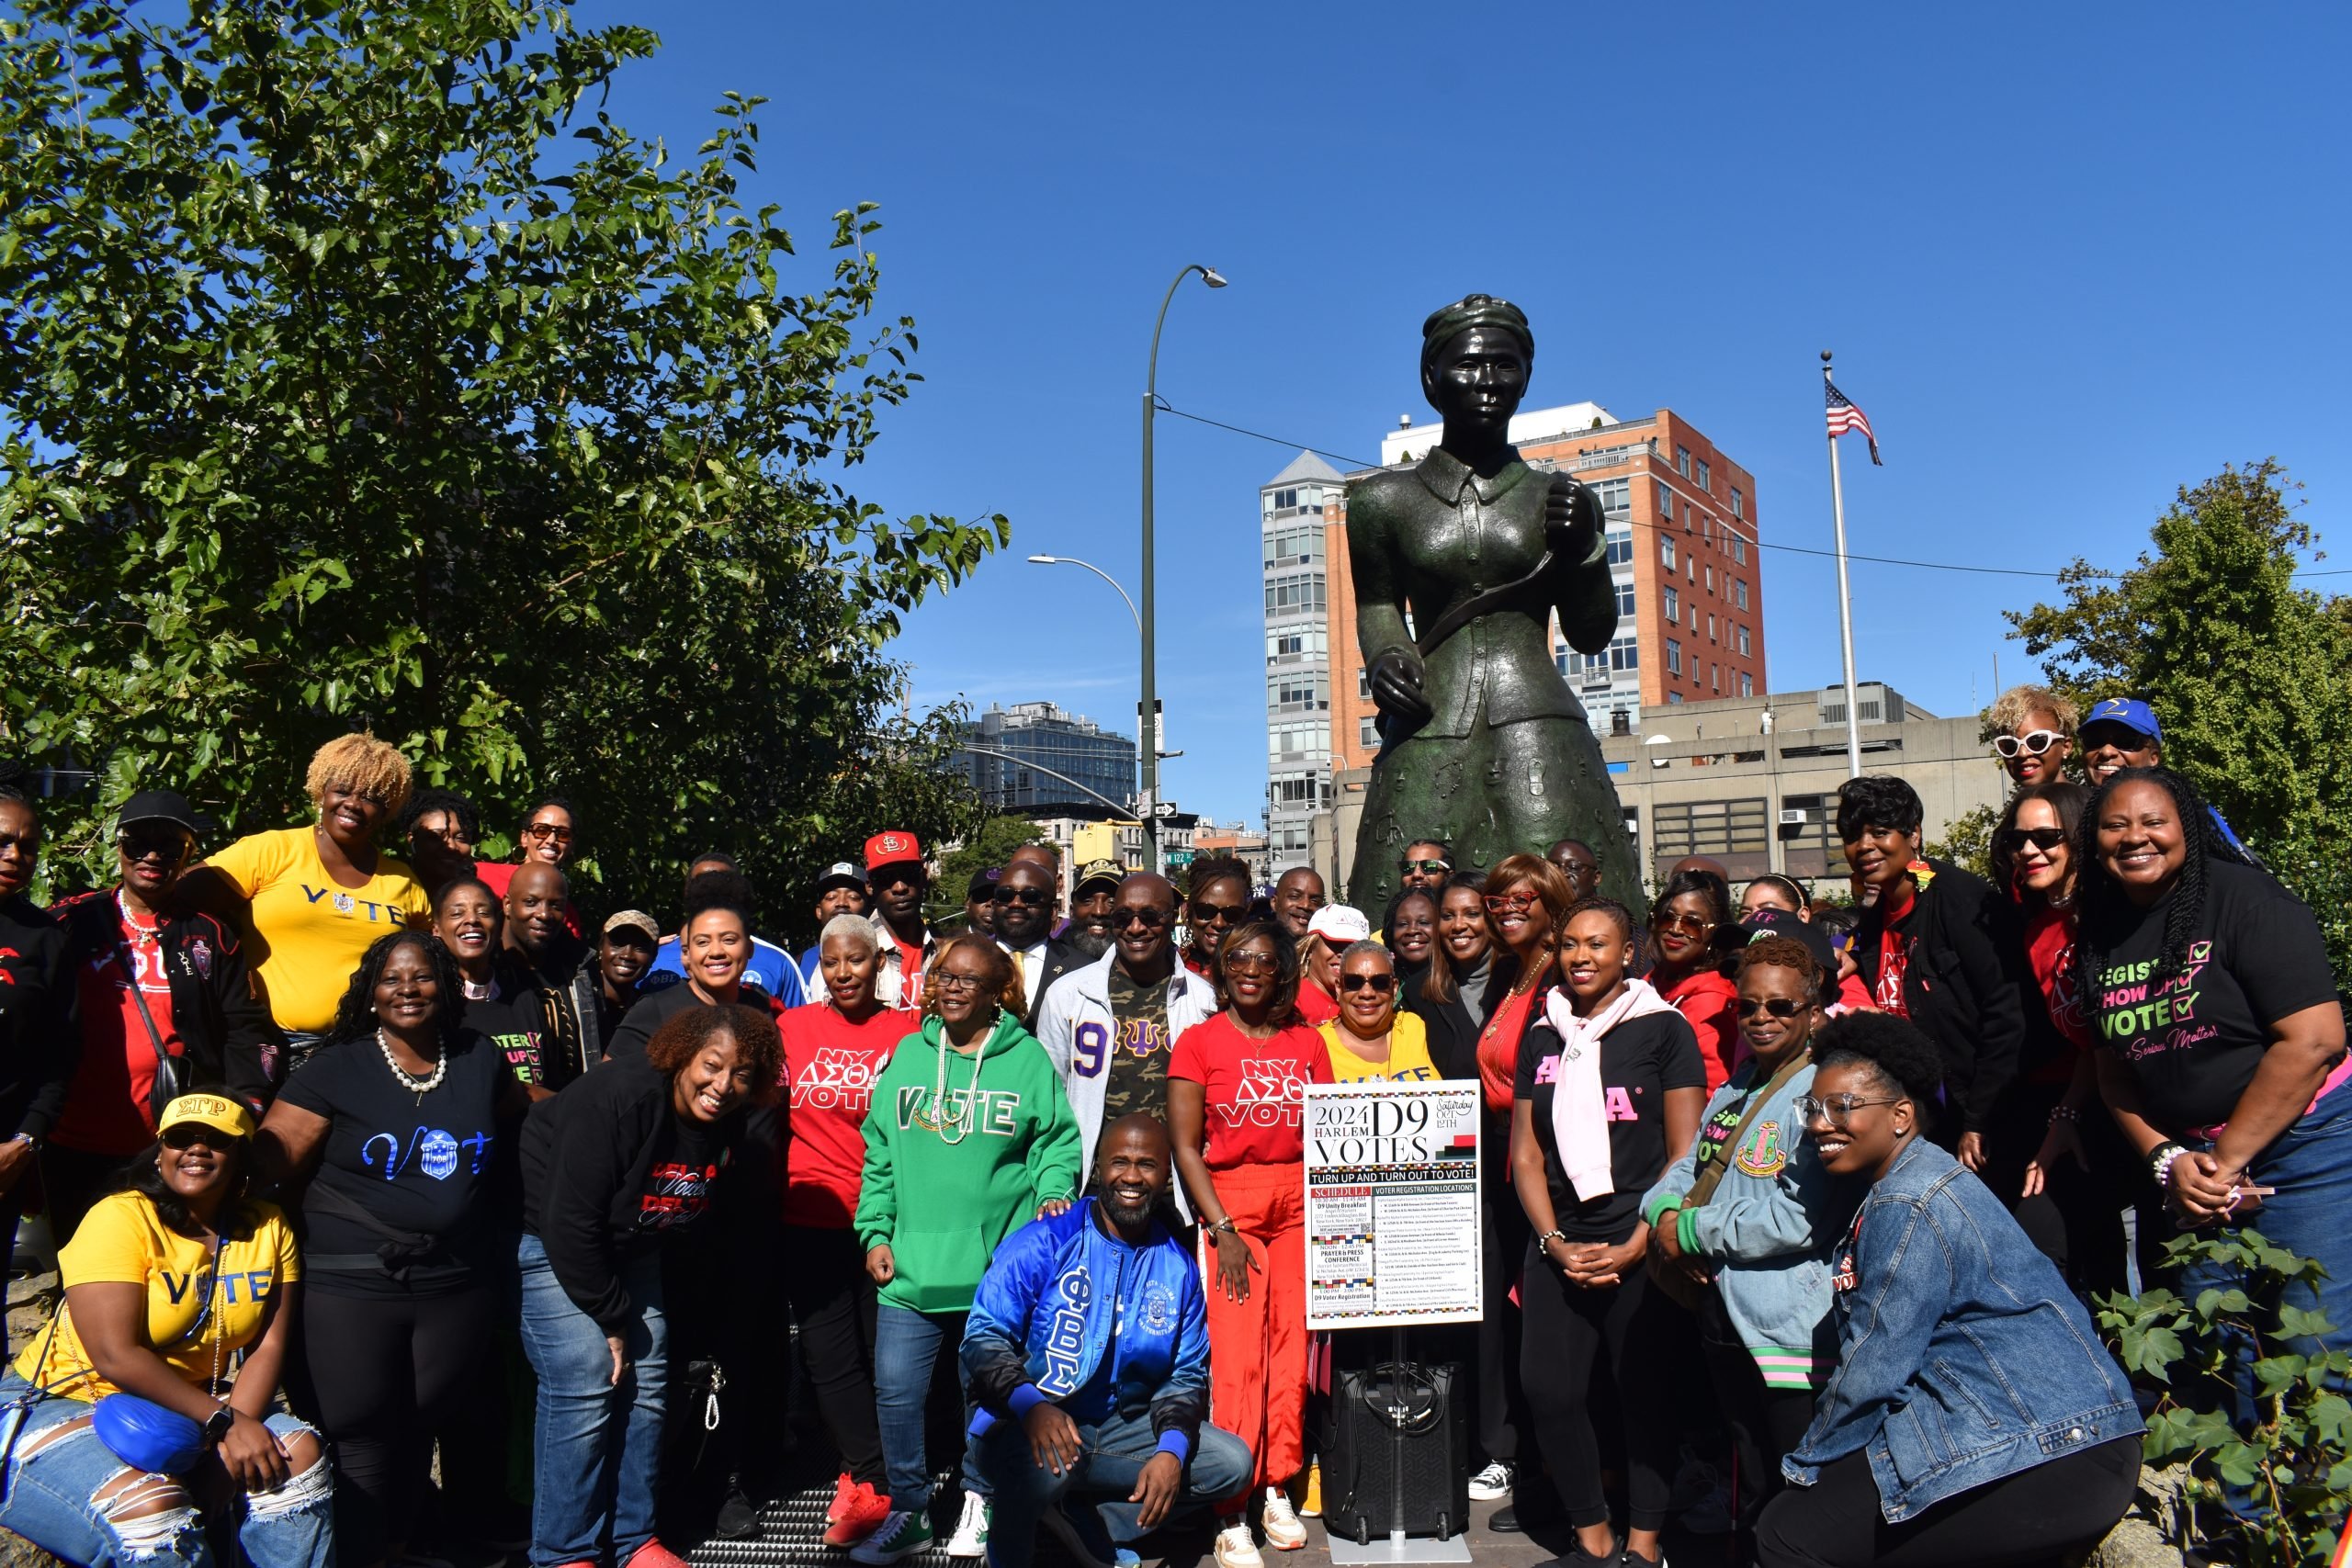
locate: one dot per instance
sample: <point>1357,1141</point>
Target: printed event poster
<point>1392,1205</point>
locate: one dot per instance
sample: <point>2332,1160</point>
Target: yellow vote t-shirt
<point>1408,1054</point>
<point>308,934</point>
<point>124,1242</point>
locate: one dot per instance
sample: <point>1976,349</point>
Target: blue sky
<point>2070,258</point>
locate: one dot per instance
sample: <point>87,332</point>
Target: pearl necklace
<point>424,1085</point>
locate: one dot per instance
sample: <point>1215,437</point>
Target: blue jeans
<point>1021,1490</point>
<point>49,1501</point>
<point>596,1445</point>
<point>907,1345</point>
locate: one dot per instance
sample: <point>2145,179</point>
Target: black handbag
<point>171,1072</point>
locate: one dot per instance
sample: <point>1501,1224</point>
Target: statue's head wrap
<point>1473,310</point>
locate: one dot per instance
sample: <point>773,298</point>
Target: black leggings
<point>1570,1333</point>
<point>834,1299</point>
<point>2034,1518</point>
<point>379,1370</point>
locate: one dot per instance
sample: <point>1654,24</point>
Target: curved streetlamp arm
<point>1038,768</point>
<point>1073,561</point>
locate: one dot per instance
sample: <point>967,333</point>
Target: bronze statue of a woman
<point>1482,744</point>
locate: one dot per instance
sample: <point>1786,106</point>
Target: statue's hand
<point>1572,520</point>
<point>1395,679</point>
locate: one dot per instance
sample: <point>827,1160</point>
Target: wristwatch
<point>217,1425</point>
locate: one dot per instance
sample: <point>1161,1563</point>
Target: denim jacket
<point>1963,1358</point>
<point>1768,1230</point>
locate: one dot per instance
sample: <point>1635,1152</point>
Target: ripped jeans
<point>52,1500</point>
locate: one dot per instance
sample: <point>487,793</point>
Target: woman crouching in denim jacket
<point>1973,1418</point>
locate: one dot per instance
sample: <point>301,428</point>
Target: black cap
<point>841,873</point>
<point>1779,922</point>
<point>983,883</point>
<point>157,805</point>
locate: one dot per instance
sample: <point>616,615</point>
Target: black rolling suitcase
<point>1430,1405</point>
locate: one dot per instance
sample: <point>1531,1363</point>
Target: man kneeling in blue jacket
<point>1088,1352</point>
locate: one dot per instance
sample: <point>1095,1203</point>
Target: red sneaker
<point>844,1490</point>
<point>867,1508</point>
<point>653,1555</point>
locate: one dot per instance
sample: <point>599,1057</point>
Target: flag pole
<point>1845,598</point>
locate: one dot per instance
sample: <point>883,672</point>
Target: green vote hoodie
<point>945,1182</point>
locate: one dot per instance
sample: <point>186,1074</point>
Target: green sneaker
<point>901,1535</point>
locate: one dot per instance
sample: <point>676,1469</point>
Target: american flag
<point>1845,415</point>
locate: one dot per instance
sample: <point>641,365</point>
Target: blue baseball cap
<point>2129,712</point>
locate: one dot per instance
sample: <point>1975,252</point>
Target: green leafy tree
<point>1968,842</point>
<point>2250,674</point>
<point>360,371</point>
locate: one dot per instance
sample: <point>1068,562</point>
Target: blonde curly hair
<point>2018,705</point>
<point>362,763</point>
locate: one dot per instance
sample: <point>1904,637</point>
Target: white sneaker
<point>1236,1549</point>
<point>971,1537</point>
<point>1283,1532</point>
<point>1492,1483</point>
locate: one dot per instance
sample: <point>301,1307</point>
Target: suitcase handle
<point>1404,1396</point>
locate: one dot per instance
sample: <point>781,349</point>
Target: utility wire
<point>1166,407</point>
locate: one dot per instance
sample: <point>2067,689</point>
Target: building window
<point>1746,684</point>
<point>1295,594</point>
<point>1367,732</point>
<point>1673,606</point>
<point>1739,592</point>
<point>1733,831</point>
<point>1294,546</point>
<point>1739,635</point>
<point>1298,691</point>
<point>1739,548</point>
<point>1620,546</point>
<point>1706,481</point>
<point>1711,580</point>
<point>1624,597</point>
<point>1738,502</point>
<point>1616,496</point>
<point>1716,676</point>
<point>1711,628</point>
<point>1299,737</point>
<point>1303,642</point>
<point>1665,502</point>
<point>1682,461</point>
<point>1673,657</point>
<point>1666,551</point>
<point>1363,684</point>
<point>1674,696</point>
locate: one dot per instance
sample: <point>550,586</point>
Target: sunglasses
<point>1218,913</point>
<point>169,848</point>
<point>555,831</point>
<point>1835,1111</point>
<point>1681,922</point>
<point>2034,743</point>
<point>1032,896</point>
<point>1383,984</point>
<point>1428,867</point>
<point>188,1134</point>
<point>1149,919</point>
<point>2043,839</point>
<point>1779,1007</point>
<point>1252,963</point>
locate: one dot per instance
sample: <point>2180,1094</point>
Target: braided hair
<point>2108,914</point>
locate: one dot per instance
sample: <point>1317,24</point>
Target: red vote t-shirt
<point>830,1066</point>
<point>106,1108</point>
<point>1254,1089</point>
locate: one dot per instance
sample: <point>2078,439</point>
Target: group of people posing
<point>339,1148</point>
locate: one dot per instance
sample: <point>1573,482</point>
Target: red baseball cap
<point>892,848</point>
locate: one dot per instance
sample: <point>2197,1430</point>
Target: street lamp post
<point>1147,753</point>
<point>1073,561</point>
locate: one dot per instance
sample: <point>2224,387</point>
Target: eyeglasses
<point>948,980</point>
<point>2043,839</point>
<point>551,831</point>
<point>1517,903</point>
<point>1032,896</point>
<point>1218,913</point>
<point>2034,743</point>
<point>1254,963</point>
<point>1835,1111</point>
<point>1681,922</point>
<point>169,848</point>
<point>1383,984</point>
<point>1149,919</point>
<point>1427,867</point>
<point>1779,1007</point>
<point>188,1134</point>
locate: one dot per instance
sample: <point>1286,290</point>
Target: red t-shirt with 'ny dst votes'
<point>1254,1089</point>
<point>830,1066</point>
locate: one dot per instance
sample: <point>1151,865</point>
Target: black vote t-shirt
<point>418,1166</point>
<point>1640,1060</point>
<point>2193,1043</point>
<point>686,1159</point>
<point>514,1021</point>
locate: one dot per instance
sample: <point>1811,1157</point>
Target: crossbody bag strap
<point>1711,1175</point>
<point>130,973</point>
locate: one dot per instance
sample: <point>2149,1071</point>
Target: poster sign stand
<point>1392,1240</point>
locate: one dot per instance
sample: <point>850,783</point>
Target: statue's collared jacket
<point>1435,535</point>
